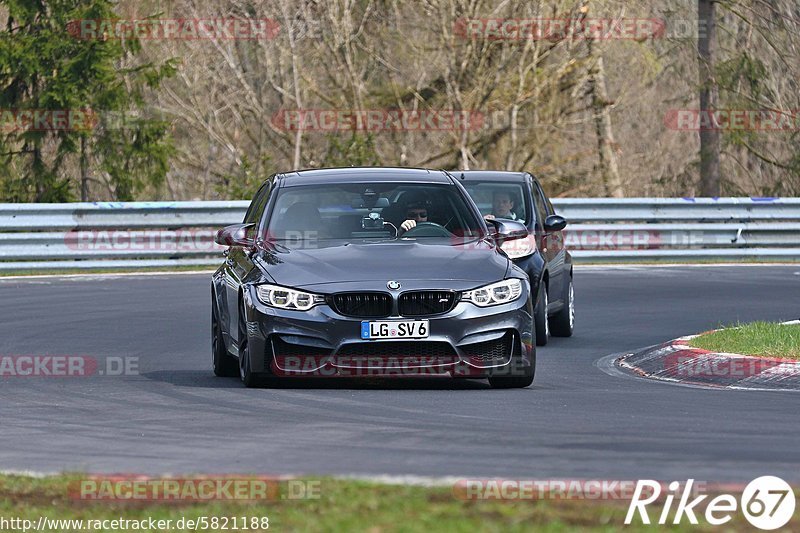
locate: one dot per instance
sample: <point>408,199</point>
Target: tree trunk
<point>605,134</point>
<point>709,135</point>
<point>298,136</point>
<point>84,172</point>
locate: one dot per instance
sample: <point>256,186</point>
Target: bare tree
<point>709,136</point>
<point>586,116</point>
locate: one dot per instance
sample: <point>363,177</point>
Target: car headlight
<point>286,298</point>
<point>498,293</point>
<point>519,247</point>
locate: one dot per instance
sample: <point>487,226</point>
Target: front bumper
<point>468,341</point>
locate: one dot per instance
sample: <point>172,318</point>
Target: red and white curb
<point>677,362</point>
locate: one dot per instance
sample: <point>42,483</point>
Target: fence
<point>36,237</point>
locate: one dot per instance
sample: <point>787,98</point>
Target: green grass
<point>343,505</point>
<point>766,339</point>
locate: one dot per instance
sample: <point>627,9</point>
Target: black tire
<point>512,382</point>
<point>541,324</point>
<point>224,365</point>
<point>562,324</point>
<point>249,378</point>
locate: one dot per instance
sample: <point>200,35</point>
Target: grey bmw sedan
<point>386,272</point>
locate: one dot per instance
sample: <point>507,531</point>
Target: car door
<point>553,245</point>
<point>537,216</point>
<point>238,264</point>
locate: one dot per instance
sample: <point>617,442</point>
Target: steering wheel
<point>428,229</point>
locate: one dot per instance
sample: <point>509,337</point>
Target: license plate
<point>406,329</point>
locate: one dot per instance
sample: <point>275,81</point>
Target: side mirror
<point>554,223</point>
<point>235,235</point>
<point>507,230</point>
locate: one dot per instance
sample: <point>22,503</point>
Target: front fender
<point>534,267</point>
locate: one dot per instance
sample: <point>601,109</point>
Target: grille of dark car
<point>362,304</point>
<point>494,351</point>
<point>443,352</point>
<point>424,303</point>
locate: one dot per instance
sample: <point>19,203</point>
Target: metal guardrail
<point>115,215</point>
<point>661,210</point>
<point>164,234</point>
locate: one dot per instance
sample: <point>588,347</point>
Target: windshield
<point>499,199</point>
<point>371,211</point>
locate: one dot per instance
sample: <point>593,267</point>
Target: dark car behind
<point>543,255</point>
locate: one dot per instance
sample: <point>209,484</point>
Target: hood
<point>346,262</point>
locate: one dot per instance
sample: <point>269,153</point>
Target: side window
<point>541,209</point>
<point>550,210</point>
<point>256,208</point>
<point>550,206</point>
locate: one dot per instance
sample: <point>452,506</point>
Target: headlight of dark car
<point>519,247</point>
<point>286,298</point>
<point>498,293</point>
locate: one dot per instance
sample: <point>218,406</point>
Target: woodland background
<point>588,117</point>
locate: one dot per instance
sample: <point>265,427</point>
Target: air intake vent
<point>496,351</point>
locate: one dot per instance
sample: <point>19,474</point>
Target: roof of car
<point>489,175</point>
<point>319,176</point>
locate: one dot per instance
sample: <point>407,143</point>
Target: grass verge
<point>342,505</point>
<point>765,339</point>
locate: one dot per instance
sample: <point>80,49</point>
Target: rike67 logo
<point>767,502</point>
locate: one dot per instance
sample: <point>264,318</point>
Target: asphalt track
<point>575,422</point>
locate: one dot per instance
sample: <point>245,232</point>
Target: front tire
<point>562,324</point>
<point>246,374</point>
<point>542,326</point>
<point>512,382</point>
<point>224,365</point>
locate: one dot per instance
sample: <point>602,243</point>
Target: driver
<point>415,207</point>
<point>502,206</point>
<point>416,212</point>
